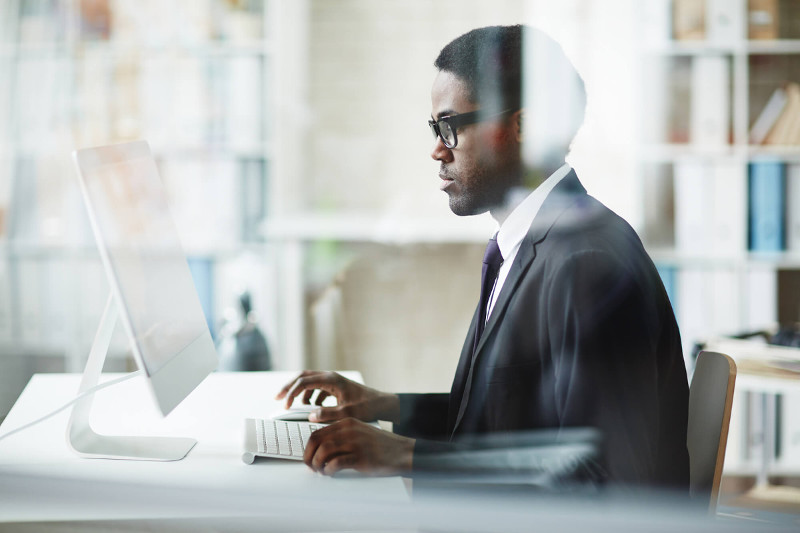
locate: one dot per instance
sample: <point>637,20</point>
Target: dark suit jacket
<point>582,335</point>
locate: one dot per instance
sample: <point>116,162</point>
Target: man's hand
<point>353,399</point>
<point>350,443</point>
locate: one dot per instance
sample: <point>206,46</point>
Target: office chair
<point>710,401</point>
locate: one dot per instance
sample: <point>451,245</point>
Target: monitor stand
<point>80,435</point>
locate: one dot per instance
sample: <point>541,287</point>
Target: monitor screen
<point>146,265</point>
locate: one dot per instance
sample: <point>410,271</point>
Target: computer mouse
<point>297,413</point>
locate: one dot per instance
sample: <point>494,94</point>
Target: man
<point>574,328</point>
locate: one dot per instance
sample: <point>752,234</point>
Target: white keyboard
<point>277,438</point>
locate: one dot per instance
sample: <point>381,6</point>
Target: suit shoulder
<point>587,224</point>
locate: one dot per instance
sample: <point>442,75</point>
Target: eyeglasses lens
<point>448,136</point>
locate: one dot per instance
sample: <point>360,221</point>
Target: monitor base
<point>84,441</point>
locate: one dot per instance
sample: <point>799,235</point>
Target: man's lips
<point>445,183</point>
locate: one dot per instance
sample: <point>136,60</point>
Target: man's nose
<point>440,151</point>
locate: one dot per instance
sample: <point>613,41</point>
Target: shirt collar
<point>519,221</point>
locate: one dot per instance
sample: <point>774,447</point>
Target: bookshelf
<point>720,213</point>
<point>195,78</point>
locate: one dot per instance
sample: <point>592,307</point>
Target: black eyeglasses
<point>446,127</point>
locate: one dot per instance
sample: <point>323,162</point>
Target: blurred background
<point>291,138</point>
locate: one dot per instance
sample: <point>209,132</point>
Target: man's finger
<point>289,385</point>
<point>339,463</point>
<point>331,448</point>
<point>321,397</point>
<point>285,389</point>
<point>307,396</point>
<point>311,447</point>
<point>304,383</point>
<point>330,414</point>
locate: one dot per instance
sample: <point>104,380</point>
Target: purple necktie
<point>492,259</point>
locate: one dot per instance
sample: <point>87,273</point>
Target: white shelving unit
<point>197,79</point>
<point>700,95</point>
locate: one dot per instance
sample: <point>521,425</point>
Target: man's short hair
<point>489,60</point>
<point>496,61</point>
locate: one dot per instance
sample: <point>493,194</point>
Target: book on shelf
<point>656,18</point>
<point>793,207</point>
<point>658,121</point>
<point>789,431</point>
<point>190,102</point>
<point>755,438</point>
<point>725,21</point>
<point>707,307</point>
<point>767,206</point>
<point>789,23</point>
<point>658,188</point>
<point>689,20</point>
<point>769,116</point>
<point>789,305</point>
<point>710,102</point>
<point>95,20</point>
<point>729,208</point>
<point>41,22</point>
<point>724,303</point>
<point>693,207</point>
<point>678,102</point>
<point>244,127</point>
<point>762,19</point>
<point>760,298</point>
<point>786,129</point>
<point>735,449</point>
<point>710,207</point>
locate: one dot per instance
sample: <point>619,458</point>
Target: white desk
<point>42,480</point>
<point>44,486</point>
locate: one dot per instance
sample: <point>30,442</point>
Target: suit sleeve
<point>603,329</point>
<point>423,416</point>
<point>550,460</point>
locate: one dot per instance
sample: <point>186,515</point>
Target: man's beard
<point>486,190</point>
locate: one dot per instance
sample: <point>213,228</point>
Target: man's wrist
<point>389,407</point>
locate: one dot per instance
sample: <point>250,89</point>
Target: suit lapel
<point>460,378</point>
<point>562,196</point>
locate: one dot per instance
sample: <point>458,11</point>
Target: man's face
<point>485,164</point>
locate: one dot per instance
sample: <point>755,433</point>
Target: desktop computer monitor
<point>152,293</point>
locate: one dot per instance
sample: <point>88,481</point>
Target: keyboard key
<point>283,439</point>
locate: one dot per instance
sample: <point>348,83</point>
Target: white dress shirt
<point>515,227</point>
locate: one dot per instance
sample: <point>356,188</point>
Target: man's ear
<point>516,121</point>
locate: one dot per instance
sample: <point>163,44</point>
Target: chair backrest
<point>710,400</point>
